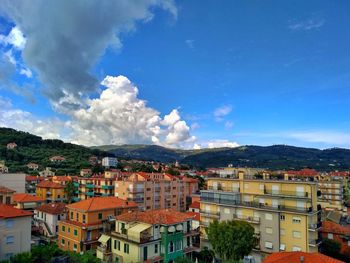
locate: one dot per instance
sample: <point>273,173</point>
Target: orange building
<point>50,191</point>
<point>156,190</point>
<point>81,230</point>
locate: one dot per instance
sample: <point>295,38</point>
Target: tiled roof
<point>304,172</point>
<point>52,208</point>
<point>26,198</point>
<point>195,205</point>
<point>30,178</point>
<point>62,178</point>
<point>295,257</point>
<point>7,211</point>
<point>163,217</point>
<point>331,227</point>
<point>101,203</point>
<point>6,190</point>
<point>195,215</point>
<point>49,184</point>
<point>346,173</point>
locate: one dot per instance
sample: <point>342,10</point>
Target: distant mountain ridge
<point>275,157</point>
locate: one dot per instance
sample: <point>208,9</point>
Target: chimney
<point>301,259</point>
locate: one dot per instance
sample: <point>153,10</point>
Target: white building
<point>109,162</point>
<point>14,181</point>
<point>15,229</point>
<point>46,218</point>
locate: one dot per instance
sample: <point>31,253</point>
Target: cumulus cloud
<point>118,116</point>
<point>15,38</point>
<point>65,39</point>
<point>221,112</point>
<point>216,144</point>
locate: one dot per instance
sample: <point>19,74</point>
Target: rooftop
<point>52,208</point>
<point>295,257</point>
<point>5,190</point>
<point>195,215</point>
<point>195,204</point>
<point>101,203</point>
<point>7,211</point>
<point>26,198</point>
<point>162,217</point>
<point>49,184</point>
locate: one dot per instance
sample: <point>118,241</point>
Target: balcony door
<point>275,189</point>
<point>145,253</point>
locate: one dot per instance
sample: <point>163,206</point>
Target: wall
<point>14,181</point>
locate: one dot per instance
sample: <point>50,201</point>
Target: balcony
<point>92,193</point>
<point>293,194</point>
<point>314,227</point>
<point>76,184</point>
<point>211,214</point>
<point>90,186</point>
<point>107,187</point>
<point>315,242</point>
<point>224,188</point>
<point>136,199</point>
<point>76,199</point>
<point>250,219</point>
<point>136,190</point>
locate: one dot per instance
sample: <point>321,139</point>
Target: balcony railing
<point>287,193</point>
<point>90,193</point>
<point>136,199</point>
<point>314,227</point>
<point>136,190</point>
<point>90,186</point>
<point>251,219</point>
<point>107,187</point>
<point>224,188</point>
<point>258,205</point>
<point>315,242</point>
<point>210,214</point>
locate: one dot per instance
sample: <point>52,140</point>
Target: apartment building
<point>109,162</point>
<point>15,229</point>
<point>85,220</point>
<point>31,183</point>
<point>6,195</point>
<point>50,191</point>
<point>151,236</point>
<point>95,186</point>
<point>46,218</point>
<point>27,201</point>
<point>284,214</point>
<point>153,191</point>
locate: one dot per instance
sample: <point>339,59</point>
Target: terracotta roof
<point>26,198</point>
<point>7,211</point>
<point>62,178</point>
<point>6,190</point>
<point>294,257</point>
<point>101,203</point>
<point>30,178</point>
<point>346,173</point>
<point>195,215</point>
<point>49,184</point>
<point>304,172</point>
<point>331,227</point>
<point>52,208</point>
<point>163,217</point>
<point>195,204</point>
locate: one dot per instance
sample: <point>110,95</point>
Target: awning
<point>104,239</point>
<point>138,228</point>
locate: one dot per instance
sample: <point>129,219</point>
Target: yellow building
<point>284,214</point>
<point>50,191</point>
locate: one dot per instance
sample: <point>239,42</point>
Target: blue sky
<point>231,72</point>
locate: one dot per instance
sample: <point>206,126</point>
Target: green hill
<point>270,157</point>
<point>32,148</point>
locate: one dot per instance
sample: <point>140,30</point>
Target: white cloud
<point>196,147</point>
<point>15,38</point>
<point>306,25</point>
<point>222,143</point>
<point>26,72</point>
<point>228,124</point>
<point>222,111</point>
<point>189,43</point>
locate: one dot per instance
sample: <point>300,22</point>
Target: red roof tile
<point>49,184</point>
<point>294,257</point>
<point>332,227</point>
<point>101,203</point>
<point>195,205</point>
<point>7,211</point>
<point>30,178</point>
<point>6,190</point>
<point>26,198</point>
<point>195,215</point>
<point>164,217</point>
<point>52,208</point>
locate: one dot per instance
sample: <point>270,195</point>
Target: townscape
<point>119,215</point>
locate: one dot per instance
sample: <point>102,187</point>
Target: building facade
<point>284,214</point>
<point>151,236</point>
<point>27,201</point>
<point>109,162</point>
<point>6,195</point>
<point>85,220</point>
<point>50,191</point>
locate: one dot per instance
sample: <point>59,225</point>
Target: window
<point>283,217</point>
<point>282,232</point>
<point>9,223</point>
<point>75,232</point>
<point>63,242</point>
<point>63,228</point>
<point>84,218</point>
<point>71,215</point>
<point>155,248</point>
<point>10,239</point>
<point>296,248</point>
<point>348,243</point>
<point>126,248</point>
<point>330,236</point>
<point>296,234</point>
<point>59,217</point>
<point>68,229</point>
<point>75,247</point>
<point>9,255</point>
<point>268,216</point>
<point>171,246</point>
<point>117,244</point>
<point>246,186</point>
<point>282,247</point>
<point>268,230</point>
<point>296,220</point>
<point>261,187</point>
<point>227,211</point>
<point>99,216</point>
<point>77,217</point>
<point>268,245</point>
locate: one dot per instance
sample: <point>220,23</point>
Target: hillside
<point>32,148</point>
<point>270,157</point>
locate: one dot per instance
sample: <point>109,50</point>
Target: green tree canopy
<point>69,190</point>
<point>231,240</point>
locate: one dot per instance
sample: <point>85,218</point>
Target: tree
<point>330,248</point>
<point>206,255</point>
<point>69,190</point>
<point>231,240</point>
<point>183,260</point>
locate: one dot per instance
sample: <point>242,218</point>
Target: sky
<point>181,74</point>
